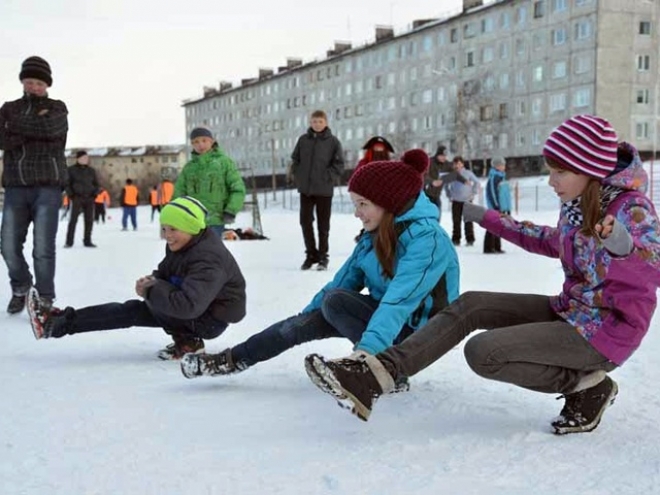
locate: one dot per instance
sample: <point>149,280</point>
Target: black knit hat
<point>200,132</point>
<point>81,153</point>
<point>36,68</point>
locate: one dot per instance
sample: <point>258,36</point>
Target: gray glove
<point>619,242</point>
<point>473,213</point>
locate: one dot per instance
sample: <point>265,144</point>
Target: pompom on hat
<point>185,214</point>
<point>391,184</point>
<point>36,68</point>
<point>584,144</point>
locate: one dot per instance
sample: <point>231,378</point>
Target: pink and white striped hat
<point>584,144</point>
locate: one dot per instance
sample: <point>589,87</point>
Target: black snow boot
<point>583,410</point>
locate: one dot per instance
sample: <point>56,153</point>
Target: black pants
<point>99,212</point>
<point>154,209</point>
<point>457,218</point>
<point>86,207</point>
<point>133,313</point>
<point>323,205</point>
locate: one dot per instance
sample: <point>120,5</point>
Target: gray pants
<point>526,344</point>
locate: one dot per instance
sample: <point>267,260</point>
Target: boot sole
<point>594,424</point>
<point>326,381</point>
<point>37,328</point>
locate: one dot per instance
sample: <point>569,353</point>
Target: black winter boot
<point>194,365</point>
<point>16,304</point>
<point>583,410</point>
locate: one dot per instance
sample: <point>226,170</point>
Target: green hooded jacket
<point>213,179</point>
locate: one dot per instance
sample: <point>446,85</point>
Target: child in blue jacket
<point>404,258</point>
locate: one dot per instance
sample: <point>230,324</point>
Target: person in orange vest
<point>65,206</point>
<point>129,201</point>
<point>101,202</point>
<point>165,192</point>
<point>154,201</point>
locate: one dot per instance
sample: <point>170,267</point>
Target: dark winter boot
<point>323,263</point>
<point>583,410</point>
<point>194,365</point>
<point>16,304</point>
<point>355,382</point>
<point>308,263</point>
<point>181,346</point>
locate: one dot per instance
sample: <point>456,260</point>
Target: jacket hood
<point>421,208</point>
<point>629,173</point>
<point>378,139</point>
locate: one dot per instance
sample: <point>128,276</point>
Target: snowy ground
<point>99,414</point>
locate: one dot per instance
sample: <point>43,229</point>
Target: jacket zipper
<point>20,160</point>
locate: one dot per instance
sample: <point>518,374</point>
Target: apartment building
<point>492,78</point>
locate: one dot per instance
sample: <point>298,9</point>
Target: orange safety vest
<point>130,195</point>
<point>65,200</point>
<point>166,192</point>
<point>153,197</point>
<point>103,198</point>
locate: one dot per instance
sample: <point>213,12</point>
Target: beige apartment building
<point>493,78</point>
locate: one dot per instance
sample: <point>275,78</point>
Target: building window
<point>643,96</point>
<point>558,36</point>
<point>413,74</point>
<point>391,79</point>
<point>539,9</point>
<point>582,64</point>
<point>487,25</point>
<point>427,96</point>
<point>520,138</point>
<point>504,50</point>
<point>391,103</point>
<point>582,98</point>
<point>486,112</point>
<point>558,102</point>
<point>427,44</point>
<point>559,5</point>
<point>559,69</point>
<point>503,140</point>
<point>469,30</point>
<point>505,20</point>
<point>504,80</point>
<point>521,15</point>
<point>582,30</point>
<point>645,27</point>
<point>642,130</point>
<point>521,108</point>
<point>520,79</point>
<point>643,63</point>
<point>536,137</point>
<point>520,47</point>
<point>582,3</point>
<point>441,94</point>
<point>488,54</point>
<point>453,35</point>
<point>537,104</point>
<point>537,74</point>
<point>349,89</point>
<point>469,59</point>
<point>391,127</point>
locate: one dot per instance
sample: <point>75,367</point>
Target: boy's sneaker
<point>355,382</point>
<point>308,263</point>
<point>194,365</point>
<point>323,264</point>
<point>180,347</point>
<point>39,308</point>
<point>583,410</point>
<point>16,304</point>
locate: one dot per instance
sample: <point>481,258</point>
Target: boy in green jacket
<point>212,178</point>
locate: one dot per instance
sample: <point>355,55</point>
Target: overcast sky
<point>123,67</point>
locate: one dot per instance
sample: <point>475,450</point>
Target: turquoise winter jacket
<point>425,258</point>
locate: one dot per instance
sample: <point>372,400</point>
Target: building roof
<point>147,150</point>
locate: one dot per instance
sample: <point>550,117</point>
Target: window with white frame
<point>559,69</point>
<point>520,79</point>
<point>427,96</point>
<point>520,47</point>
<point>349,134</point>
<point>469,59</point>
<point>582,64</point>
<point>487,141</point>
<point>358,86</point>
<point>469,30</point>
<point>413,124</point>
<point>538,40</point>
<point>505,20</point>
<point>537,106</point>
<point>536,137</point>
<point>643,63</point>
<point>582,29</point>
<point>413,73</point>
<point>503,140</point>
<point>559,36</point>
<point>428,122</point>
<point>559,5</point>
<point>427,44</point>
<point>488,54</point>
<point>391,103</point>
<point>504,50</point>
<point>537,73</point>
<point>558,102</point>
<point>521,108</point>
<point>391,79</point>
<point>359,133</point>
<point>643,96</point>
<point>539,9</point>
<point>504,80</point>
<point>349,89</point>
<point>391,127</point>
<point>642,130</point>
<point>487,25</point>
<point>489,82</point>
<point>582,98</point>
<point>442,38</point>
<point>520,139</point>
<point>645,28</point>
<point>521,15</point>
<point>582,3</point>
<point>441,94</point>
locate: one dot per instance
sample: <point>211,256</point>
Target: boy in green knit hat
<point>194,294</point>
<point>211,177</point>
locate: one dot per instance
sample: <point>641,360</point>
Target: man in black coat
<point>82,189</point>
<point>318,162</point>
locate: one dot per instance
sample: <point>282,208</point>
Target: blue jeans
<point>128,212</point>
<point>218,229</point>
<point>133,313</point>
<point>24,206</point>
<point>343,313</point>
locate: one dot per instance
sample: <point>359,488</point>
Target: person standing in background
<point>130,198</point>
<point>154,201</point>
<point>33,132</point>
<point>494,197</point>
<point>318,162</point>
<point>101,202</point>
<point>459,194</point>
<point>81,189</point>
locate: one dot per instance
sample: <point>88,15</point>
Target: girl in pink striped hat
<point>608,241</point>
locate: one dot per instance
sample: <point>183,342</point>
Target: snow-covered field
<point>99,414</point>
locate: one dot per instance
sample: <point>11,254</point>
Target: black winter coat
<point>318,162</point>
<point>33,133</point>
<point>201,278</point>
<point>83,183</point>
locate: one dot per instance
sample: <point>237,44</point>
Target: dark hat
<point>378,140</point>
<point>36,68</point>
<point>80,153</point>
<point>391,184</point>
<point>441,150</point>
<point>584,144</point>
<point>200,132</point>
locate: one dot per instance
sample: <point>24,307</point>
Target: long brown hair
<point>385,244</point>
<point>589,201</point>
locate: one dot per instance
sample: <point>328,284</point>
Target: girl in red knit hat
<point>404,258</point>
<point>608,242</point>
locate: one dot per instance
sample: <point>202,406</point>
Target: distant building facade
<point>485,80</point>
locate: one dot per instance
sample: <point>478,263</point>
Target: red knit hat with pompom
<point>391,184</point>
